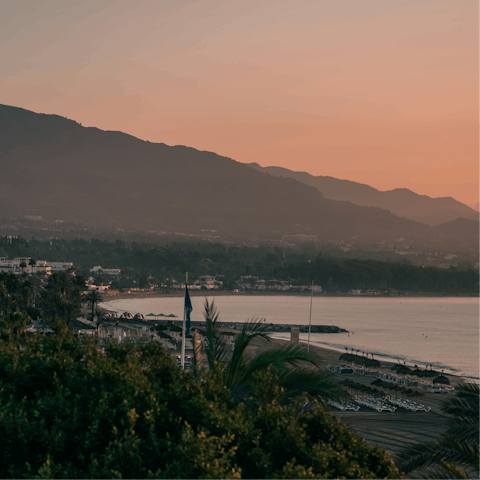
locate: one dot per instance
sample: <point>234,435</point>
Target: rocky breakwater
<point>304,328</point>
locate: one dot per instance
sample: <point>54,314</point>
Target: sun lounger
<point>344,406</point>
<point>376,405</point>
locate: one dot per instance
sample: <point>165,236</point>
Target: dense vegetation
<point>144,263</point>
<point>69,411</point>
<point>59,295</point>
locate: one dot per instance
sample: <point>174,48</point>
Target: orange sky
<point>379,92</point>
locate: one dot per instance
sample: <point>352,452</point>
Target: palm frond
<point>280,358</point>
<point>444,451</point>
<point>446,471</point>
<point>297,381</point>
<point>455,454</point>
<point>216,353</point>
<point>252,329</point>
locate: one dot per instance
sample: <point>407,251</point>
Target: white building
<point>59,266</point>
<point>105,271</point>
<point>13,266</point>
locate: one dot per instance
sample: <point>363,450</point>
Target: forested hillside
<point>143,264</point>
<point>58,170</point>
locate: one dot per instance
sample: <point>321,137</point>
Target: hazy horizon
<point>381,93</point>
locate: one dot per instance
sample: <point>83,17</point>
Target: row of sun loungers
<point>400,402</point>
<point>344,405</point>
<point>377,405</point>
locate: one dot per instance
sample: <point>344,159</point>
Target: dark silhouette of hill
<point>56,168</point>
<point>400,201</point>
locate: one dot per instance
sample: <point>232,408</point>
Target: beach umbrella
<point>441,379</point>
<point>402,390</point>
<point>416,393</point>
<point>171,315</point>
<point>416,372</point>
<point>373,363</point>
<point>160,315</point>
<point>404,370</point>
<point>151,315</point>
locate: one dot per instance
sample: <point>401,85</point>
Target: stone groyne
<point>273,327</point>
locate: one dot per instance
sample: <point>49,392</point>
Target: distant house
<point>98,288</point>
<point>13,266</point>
<point>59,266</point>
<point>105,271</point>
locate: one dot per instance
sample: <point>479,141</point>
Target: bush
<point>67,410</point>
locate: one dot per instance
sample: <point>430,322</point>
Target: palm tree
<point>62,296</point>
<point>99,314</point>
<point>239,372</point>
<point>456,452</point>
<point>94,298</point>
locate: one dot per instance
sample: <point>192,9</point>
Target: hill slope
<point>400,201</point>
<point>54,167</point>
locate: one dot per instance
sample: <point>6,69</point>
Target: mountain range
<point>55,168</point>
<point>400,201</point>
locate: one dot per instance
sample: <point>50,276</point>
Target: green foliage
<point>62,296</point>
<point>93,297</point>
<point>287,364</point>
<point>138,261</point>
<point>67,410</point>
<point>456,452</point>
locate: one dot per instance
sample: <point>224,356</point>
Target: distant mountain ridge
<point>55,168</point>
<point>400,201</point>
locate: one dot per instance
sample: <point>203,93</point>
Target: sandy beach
<point>389,430</point>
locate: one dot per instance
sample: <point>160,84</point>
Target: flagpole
<point>310,321</point>
<point>183,327</point>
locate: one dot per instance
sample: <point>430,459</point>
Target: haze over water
<point>439,331</point>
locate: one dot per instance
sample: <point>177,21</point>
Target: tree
<point>62,296</point>
<point>239,372</point>
<point>9,285</point>
<point>69,411</point>
<point>456,452</point>
<point>99,315</point>
<point>94,297</point>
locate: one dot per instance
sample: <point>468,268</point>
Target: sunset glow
<point>382,93</point>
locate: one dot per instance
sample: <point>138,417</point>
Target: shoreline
<point>389,430</point>
<point>264,293</point>
<point>386,363</point>
<point>384,357</point>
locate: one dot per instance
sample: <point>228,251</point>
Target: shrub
<point>67,410</point>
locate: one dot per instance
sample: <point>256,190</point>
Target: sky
<point>382,92</point>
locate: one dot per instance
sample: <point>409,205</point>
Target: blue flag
<point>188,310</point>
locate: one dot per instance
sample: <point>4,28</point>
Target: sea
<point>439,331</point>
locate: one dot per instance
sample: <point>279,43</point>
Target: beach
<point>389,430</point>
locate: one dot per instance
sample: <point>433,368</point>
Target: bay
<point>442,332</point>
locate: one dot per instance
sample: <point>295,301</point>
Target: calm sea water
<point>439,331</point>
